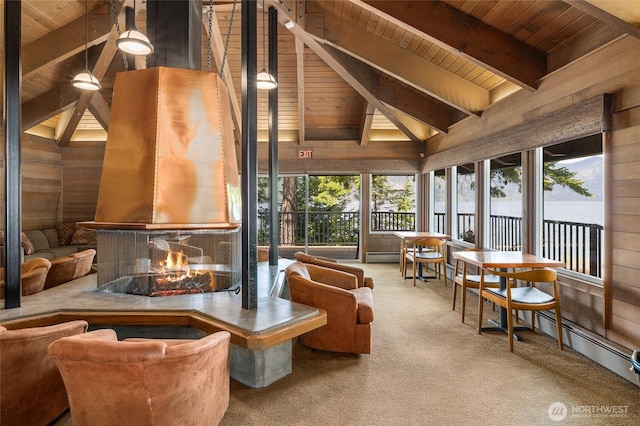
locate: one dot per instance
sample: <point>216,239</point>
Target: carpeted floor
<point>427,368</point>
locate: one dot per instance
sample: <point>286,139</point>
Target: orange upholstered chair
<point>33,273</point>
<point>349,307</point>
<point>144,381</point>
<point>68,268</point>
<point>31,389</point>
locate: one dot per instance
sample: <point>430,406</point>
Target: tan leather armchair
<point>333,264</point>
<point>349,307</point>
<point>69,268</point>
<point>33,273</point>
<point>31,389</point>
<point>144,381</point>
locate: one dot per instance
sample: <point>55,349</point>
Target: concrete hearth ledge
<point>257,334</point>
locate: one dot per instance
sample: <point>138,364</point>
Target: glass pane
<point>393,203</point>
<point>466,185</point>
<point>505,220</point>
<point>573,229</point>
<point>439,201</point>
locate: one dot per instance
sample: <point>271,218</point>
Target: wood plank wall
<point>82,167</point>
<point>614,310</point>
<point>41,182</point>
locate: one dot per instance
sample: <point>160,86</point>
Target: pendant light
<point>133,41</point>
<point>85,80</point>
<point>264,80</point>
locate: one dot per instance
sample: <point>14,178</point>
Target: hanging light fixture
<point>264,80</point>
<point>133,41</point>
<point>85,80</point>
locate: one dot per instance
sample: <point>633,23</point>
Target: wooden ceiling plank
<point>605,16</point>
<point>467,36</point>
<point>65,42</point>
<point>405,66</point>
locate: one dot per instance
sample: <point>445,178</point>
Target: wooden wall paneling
<point>81,179</point>
<point>583,304</point>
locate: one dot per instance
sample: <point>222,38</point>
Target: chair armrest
<point>332,299</point>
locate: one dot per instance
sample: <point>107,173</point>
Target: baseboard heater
<point>383,257</point>
<point>607,354</point>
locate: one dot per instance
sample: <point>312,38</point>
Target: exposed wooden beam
<point>365,127</point>
<point>466,36</point>
<point>400,96</point>
<point>611,12</point>
<point>47,105</point>
<point>65,41</point>
<point>101,110</point>
<point>401,64</point>
<point>323,53</point>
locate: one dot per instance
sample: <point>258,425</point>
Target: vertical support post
<point>249,182</point>
<point>274,226</point>
<point>12,125</point>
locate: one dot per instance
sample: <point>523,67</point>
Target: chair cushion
<point>428,255</point>
<point>364,296</point>
<point>488,279</point>
<point>524,295</point>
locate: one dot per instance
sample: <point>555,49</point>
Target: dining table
<point>408,237</point>
<point>504,260</point>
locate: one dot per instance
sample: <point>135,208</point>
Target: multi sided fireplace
<point>168,210</point>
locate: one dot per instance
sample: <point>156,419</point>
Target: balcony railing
<point>578,245</point>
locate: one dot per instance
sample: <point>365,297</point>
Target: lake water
<point>573,211</point>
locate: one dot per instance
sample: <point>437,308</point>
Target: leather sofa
<point>46,243</point>
<point>70,267</point>
<point>333,264</point>
<point>349,307</point>
<point>32,390</point>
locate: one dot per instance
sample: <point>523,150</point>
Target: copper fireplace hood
<point>170,159</point>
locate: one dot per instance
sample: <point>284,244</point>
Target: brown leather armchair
<point>333,264</point>
<point>33,273</point>
<point>144,381</point>
<point>31,390</point>
<point>69,268</point>
<point>349,307</point>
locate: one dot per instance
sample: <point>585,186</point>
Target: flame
<point>176,266</point>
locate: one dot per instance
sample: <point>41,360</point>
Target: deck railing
<point>578,245</point>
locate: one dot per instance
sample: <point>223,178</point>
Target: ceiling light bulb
<point>134,42</point>
<point>86,81</point>
<point>289,24</point>
<point>265,80</point>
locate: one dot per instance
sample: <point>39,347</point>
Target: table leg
<point>503,324</point>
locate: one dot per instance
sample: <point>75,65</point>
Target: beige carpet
<point>427,368</point>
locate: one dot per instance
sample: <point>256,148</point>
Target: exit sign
<point>304,153</point>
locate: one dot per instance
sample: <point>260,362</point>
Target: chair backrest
<point>541,275</point>
<point>68,268</point>
<point>31,388</point>
<point>149,382</point>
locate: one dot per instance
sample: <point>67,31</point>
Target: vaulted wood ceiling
<point>349,70</point>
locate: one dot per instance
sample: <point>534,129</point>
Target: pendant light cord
<point>264,60</point>
<point>86,35</point>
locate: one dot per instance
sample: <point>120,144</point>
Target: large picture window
<point>393,203</point>
<point>466,202</point>
<point>505,190</point>
<point>440,201</point>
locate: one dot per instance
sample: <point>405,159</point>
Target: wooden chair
<point>426,251</point>
<point>528,297</point>
<point>469,281</point>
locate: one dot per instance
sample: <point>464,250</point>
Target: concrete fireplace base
<point>260,368</point>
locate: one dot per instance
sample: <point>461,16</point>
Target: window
<point>393,203</point>
<point>505,219</point>
<point>440,201</point>
<point>573,206</point>
<point>466,202</point>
